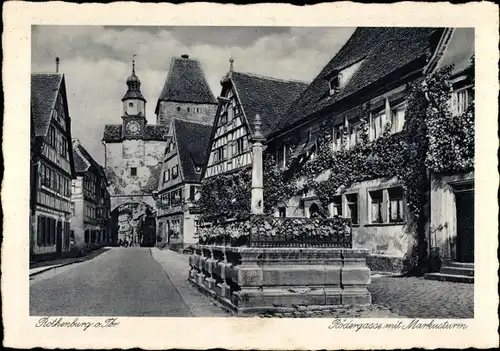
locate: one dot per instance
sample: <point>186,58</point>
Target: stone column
<point>257,204</point>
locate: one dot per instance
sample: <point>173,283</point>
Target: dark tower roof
<point>186,82</point>
<point>134,86</point>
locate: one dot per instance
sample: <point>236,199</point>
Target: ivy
<point>226,196</point>
<point>431,140</point>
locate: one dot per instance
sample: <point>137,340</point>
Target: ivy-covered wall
<point>431,141</point>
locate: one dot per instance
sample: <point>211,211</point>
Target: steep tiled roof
<point>80,165</point>
<point>83,159</point>
<point>155,132</point>
<point>192,144</point>
<point>268,97</point>
<point>113,133</point>
<point>44,90</point>
<point>186,82</point>
<point>383,51</point>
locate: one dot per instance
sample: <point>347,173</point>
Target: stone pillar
<point>257,204</point>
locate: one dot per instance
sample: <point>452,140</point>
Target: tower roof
<point>186,82</point>
<point>134,86</point>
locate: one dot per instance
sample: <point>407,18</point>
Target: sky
<point>97,60</point>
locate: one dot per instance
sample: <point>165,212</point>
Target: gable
<point>458,50</point>
<point>229,146</point>
<point>192,141</point>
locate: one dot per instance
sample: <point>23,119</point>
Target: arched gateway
<point>133,223</point>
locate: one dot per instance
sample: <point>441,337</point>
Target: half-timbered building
<point>55,168</point>
<point>178,215</point>
<point>90,200</point>
<point>243,96</point>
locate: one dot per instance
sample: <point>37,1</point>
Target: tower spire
<point>231,61</point>
<point>134,85</point>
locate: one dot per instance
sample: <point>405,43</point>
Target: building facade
<point>352,142</point>
<point>178,215</point>
<point>351,112</point>
<point>186,94</point>
<point>451,235</point>
<point>91,202</point>
<point>133,154</point>
<point>53,159</point>
<point>243,96</point>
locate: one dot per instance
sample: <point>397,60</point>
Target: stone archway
<point>133,223</point>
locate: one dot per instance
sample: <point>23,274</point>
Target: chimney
<point>57,64</point>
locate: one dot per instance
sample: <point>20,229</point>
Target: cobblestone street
<point>420,298</point>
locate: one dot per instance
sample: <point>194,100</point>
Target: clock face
<point>133,127</point>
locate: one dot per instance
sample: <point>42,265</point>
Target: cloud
<point>96,61</point>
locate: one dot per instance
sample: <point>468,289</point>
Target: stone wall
<point>146,156</point>
<point>190,111</point>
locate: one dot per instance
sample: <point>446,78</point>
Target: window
<point>337,137</point>
<point>460,100</point>
<point>133,171</point>
<point>178,108</point>
<point>239,146</point>
<point>352,207</point>
<point>166,176</point>
<point>337,206</point>
<point>281,211</point>
<point>354,134</point>
<point>87,236</point>
<point>376,127</point>
<point>197,224</point>
<point>64,148</point>
<point>395,210</point>
<point>59,184</point>
<point>192,192</point>
<point>188,109</point>
<point>281,156</point>
<point>334,84</point>
<point>398,118</point>
<point>130,104</point>
<point>175,171</point>
<point>376,206</point>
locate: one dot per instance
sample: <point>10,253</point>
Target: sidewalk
<point>43,266</point>
<point>176,266</point>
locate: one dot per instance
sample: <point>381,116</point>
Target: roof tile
<point>186,82</point>
<point>384,50</point>
<point>266,96</point>
<point>192,144</point>
<point>44,90</point>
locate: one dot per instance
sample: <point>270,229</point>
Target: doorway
<point>464,199</point>
<point>59,238</point>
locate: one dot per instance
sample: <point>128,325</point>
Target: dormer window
<point>334,84</point>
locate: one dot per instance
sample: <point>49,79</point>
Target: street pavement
<point>119,282</point>
<point>414,297</point>
<point>152,282</point>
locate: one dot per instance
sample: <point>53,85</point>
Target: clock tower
<point>134,108</point>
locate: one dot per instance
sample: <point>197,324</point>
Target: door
<point>465,225</point>
<point>59,238</point>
